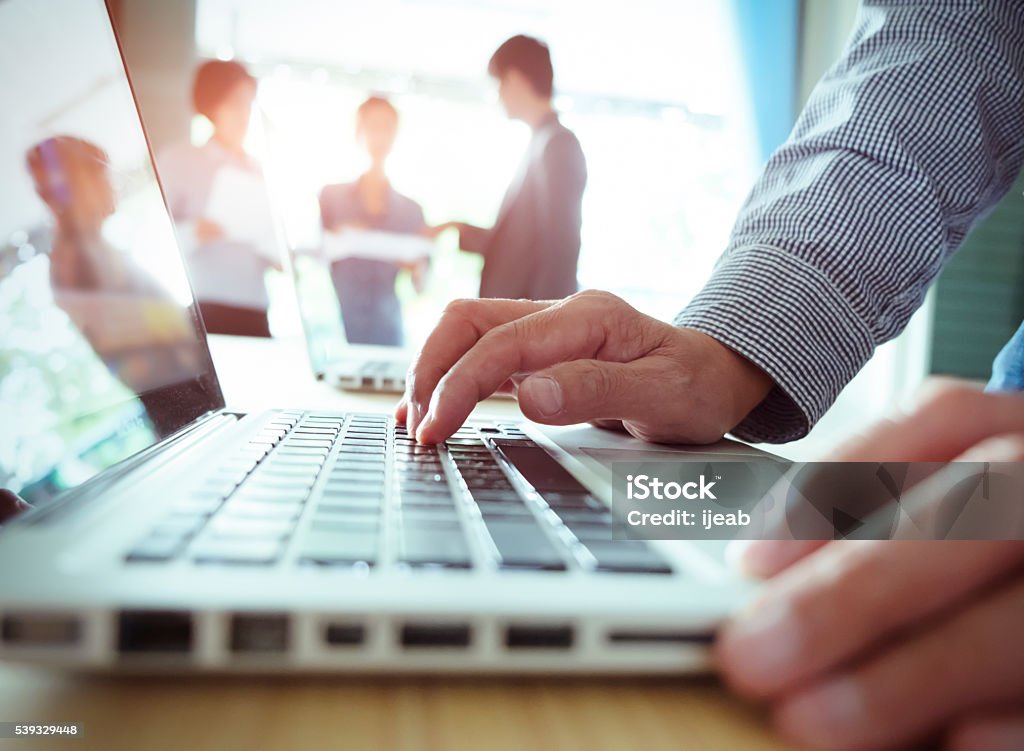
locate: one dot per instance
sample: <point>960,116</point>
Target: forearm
<point>854,217</point>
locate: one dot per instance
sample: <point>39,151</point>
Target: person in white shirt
<point>227,272</point>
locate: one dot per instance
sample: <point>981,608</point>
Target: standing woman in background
<point>370,309</point>
<point>227,272</point>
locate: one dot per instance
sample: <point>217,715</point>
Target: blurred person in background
<point>227,272</point>
<point>142,336</point>
<point>370,309</point>
<point>533,248</point>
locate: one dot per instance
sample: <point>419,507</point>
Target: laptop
<point>333,356</point>
<point>171,533</point>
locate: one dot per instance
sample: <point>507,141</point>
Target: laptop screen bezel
<point>207,380</point>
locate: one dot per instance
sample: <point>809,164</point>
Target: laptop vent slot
<point>539,637</point>
<point>436,635</point>
<point>344,634</point>
<point>40,630</point>
<point>653,638</point>
<point>150,632</point>
<point>259,634</point>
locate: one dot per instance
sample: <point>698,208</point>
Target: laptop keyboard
<point>357,492</point>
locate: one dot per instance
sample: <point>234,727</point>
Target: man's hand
<point>876,644</point>
<point>589,357</point>
<point>432,232</point>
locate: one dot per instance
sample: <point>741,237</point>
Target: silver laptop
<point>334,357</point>
<point>170,533</point>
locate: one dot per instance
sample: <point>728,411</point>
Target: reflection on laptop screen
<point>101,352</point>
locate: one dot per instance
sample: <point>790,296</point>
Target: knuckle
<point>503,334</point>
<point>599,296</point>
<point>599,382</point>
<point>460,308</point>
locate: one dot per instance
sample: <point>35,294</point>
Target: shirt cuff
<point>786,317</point>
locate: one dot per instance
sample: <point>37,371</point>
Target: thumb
<point>579,391</point>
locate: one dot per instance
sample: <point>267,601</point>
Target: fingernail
<point>544,393</point>
<point>764,641</point>
<point>815,716</point>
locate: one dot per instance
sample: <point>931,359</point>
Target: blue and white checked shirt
<point>906,142</point>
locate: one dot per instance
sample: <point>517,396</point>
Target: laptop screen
<point>102,353</point>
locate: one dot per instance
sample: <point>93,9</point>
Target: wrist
<point>724,384</point>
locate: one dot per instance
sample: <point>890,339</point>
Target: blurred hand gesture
<point>208,231</point>
<point>876,644</point>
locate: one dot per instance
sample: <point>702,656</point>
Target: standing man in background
<point>533,248</point>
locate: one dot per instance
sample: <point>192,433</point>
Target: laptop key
<point>628,557</point>
<point>438,500</point>
<point>301,451</point>
<point>426,516</point>
<point>504,508</point>
<point>591,531</point>
<point>234,527</point>
<point>277,459</point>
<point>570,517</point>
<point>573,501</point>
<point>283,496</point>
<point>356,441</point>
<point>434,545</point>
<point>346,450</point>
<point>539,468</point>
<point>345,477</point>
<point>156,549</point>
<point>249,552</point>
<point>180,524</point>
<point>330,433</point>
<point>364,503</point>
<point>493,495</point>
<point>523,544</point>
<point>338,545</point>
<point>325,443</point>
<point>262,510</point>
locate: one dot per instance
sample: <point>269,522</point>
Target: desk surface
<point>370,713</point>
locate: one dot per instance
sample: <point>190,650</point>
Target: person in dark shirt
<point>533,248</point>
<point>370,309</point>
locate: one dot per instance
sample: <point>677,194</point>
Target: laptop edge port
<point>143,632</point>
<point>344,634</point>
<point>435,635</point>
<point>265,633</point>
<point>651,638</point>
<point>539,637</point>
<point>40,630</point>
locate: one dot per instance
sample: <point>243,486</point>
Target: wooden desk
<point>405,714</point>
